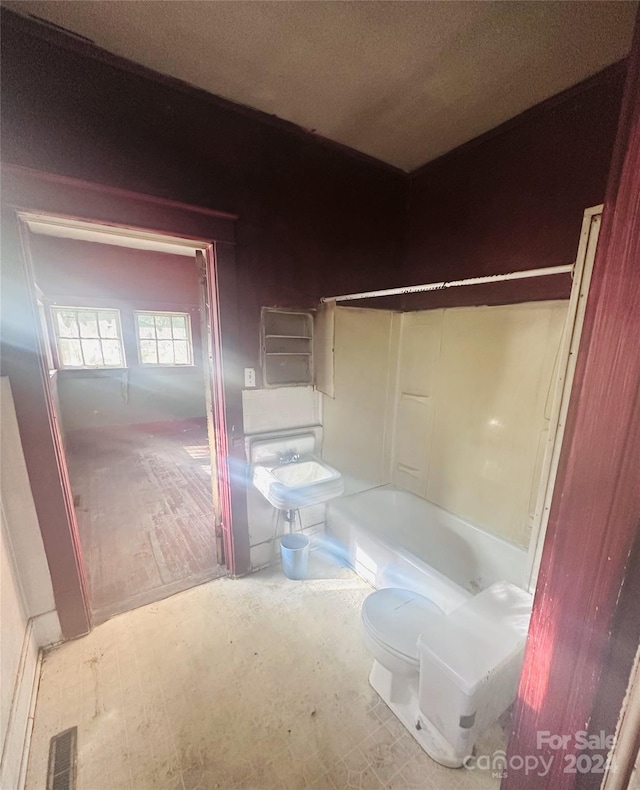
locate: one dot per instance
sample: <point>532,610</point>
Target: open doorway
<point>125,331</point>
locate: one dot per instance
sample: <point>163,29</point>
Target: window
<point>164,338</point>
<point>88,337</point>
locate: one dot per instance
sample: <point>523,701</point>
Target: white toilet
<point>447,676</point>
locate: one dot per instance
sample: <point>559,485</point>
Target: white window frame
<point>78,309</point>
<point>46,334</point>
<point>189,338</point>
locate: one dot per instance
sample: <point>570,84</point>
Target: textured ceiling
<point>401,81</point>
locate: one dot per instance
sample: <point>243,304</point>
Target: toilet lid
<point>397,618</point>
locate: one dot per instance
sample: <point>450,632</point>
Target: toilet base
<point>401,696</point>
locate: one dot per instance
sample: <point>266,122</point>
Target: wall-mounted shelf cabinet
<point>287,348</point>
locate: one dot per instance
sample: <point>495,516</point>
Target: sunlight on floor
<point>198,451</point>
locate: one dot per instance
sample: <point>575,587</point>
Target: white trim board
<point>562,393</point>
<point>80,230</point>
<point>15,749</point>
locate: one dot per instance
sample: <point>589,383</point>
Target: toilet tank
<point>470,663</point>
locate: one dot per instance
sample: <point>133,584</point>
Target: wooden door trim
<point>34,191</point>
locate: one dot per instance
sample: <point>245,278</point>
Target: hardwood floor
<point>145,512</point>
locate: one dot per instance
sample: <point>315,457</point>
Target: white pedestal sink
<point>296,484</point>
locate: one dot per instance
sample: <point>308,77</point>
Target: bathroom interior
<point>441,424</point>
<point>386,459</point>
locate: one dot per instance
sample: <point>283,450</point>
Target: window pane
<point>179,327</point>
<point>146,320</point>
<point>70,353</point>
<point>165,352</point>
<point>92,353</point>
<point>67,324</point>
<point>163,326</point>
<point>78,337</point>
<point>148,352</point>
<point>181,349</point>
<point>111,353</point>
<point>171,333</point>
<point>108,324</point>
<point>88,323</point>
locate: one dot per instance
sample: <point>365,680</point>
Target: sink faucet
<point>290,457</point>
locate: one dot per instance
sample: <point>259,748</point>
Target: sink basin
<point>308,481</point>
<point>302,473</point>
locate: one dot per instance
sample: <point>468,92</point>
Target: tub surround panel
<point>324,329</point>
<point>472,410</point>
<point>491,415</point>
<point>452,405</point>
<point>356,421</point>
<point>417,379</point>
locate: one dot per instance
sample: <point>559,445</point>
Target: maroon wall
<point>514,198</point>
<point>79,269</point>
<point>313,218</point>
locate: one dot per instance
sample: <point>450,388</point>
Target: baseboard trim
<point>24,761</point>
<point>15,749</point>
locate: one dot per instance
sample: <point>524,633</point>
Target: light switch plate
<point>249,377</point>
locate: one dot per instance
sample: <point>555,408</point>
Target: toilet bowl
<point>446,676</point>
<point>392,621</point>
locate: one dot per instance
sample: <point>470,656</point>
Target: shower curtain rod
<point>415,289</point>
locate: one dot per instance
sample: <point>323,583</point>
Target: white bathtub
<point>396,539</point>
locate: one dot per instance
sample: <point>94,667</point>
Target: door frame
<point>585,620</point>
<point>566,368</point>
<point>24,361</point>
